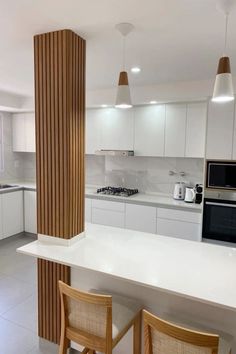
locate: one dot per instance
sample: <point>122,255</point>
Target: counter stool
<point>97,321</point>
<point>164,337</point>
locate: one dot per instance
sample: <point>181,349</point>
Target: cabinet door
<point>149,130</point>
<point>30,212</point>
<point>18,132</point>
<point>117,129</point>
<point>93,130</point>
<point>175,130</point>
<point>30,132</point>
<point>220,123</point>
<point>234,139</point>
<point>196,130</point>
<point>140,218</point>
<point>1,218</point>
<point>88,210</point>
<point>12,213</point>
<point>108,213</point>
<point>179,229</point>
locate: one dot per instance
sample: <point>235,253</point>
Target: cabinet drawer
<point>107,205</point>
<point>88,210</point>
<point>108,217</point>
<point>140,218</point>
<point>174,214</point>
<point>179,229</point>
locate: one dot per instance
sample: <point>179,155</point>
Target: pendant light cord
<point>124,53</point>
<point>226,33</point>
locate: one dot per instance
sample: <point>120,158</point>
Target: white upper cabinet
<point>23,132</point>
<point>149,137</point>
<point>175,130</point>
<point>18,132</point>
<point>30,132</point>
<point>117,129</point>
<point>93,130</point>
<point>234,139</point>
<point>220,125</point>
<point>196,129</point>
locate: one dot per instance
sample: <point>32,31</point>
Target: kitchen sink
<point>3,186</point>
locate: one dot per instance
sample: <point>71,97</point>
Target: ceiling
<point>172,41</point>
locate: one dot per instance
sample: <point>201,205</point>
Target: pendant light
<point>123,99</point>
<point>223,88</point>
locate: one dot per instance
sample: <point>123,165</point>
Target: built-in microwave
<point>221,175</point>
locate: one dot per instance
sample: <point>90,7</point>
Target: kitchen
<point>159,184</point>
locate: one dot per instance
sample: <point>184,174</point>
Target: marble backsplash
<point>148,174</point>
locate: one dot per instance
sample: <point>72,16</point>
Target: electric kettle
<point>189,195</point>
<point>179,190</point>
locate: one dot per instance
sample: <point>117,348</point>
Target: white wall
<point>148,174</point>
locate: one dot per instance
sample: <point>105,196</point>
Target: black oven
<point>219,220</point>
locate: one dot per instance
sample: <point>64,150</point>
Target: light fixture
<point>223,88</point>
<point>135,70</point>
<point>104,105</point>
<point>153,102</point>
<point>123,99</point>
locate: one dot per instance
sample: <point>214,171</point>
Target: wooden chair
<point>97,321</point>
<point>162,337</point>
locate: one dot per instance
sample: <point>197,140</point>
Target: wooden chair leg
<point>64,344</point>
<point>137,335</point>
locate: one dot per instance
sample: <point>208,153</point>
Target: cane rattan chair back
<point>86,319</point>
<point>162,337</point>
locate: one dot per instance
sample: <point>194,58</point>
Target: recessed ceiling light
<point>104,105</point>
<point>135,69</point>
<point>153,102</point>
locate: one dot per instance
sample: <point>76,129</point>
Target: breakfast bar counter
<point>169,276</point>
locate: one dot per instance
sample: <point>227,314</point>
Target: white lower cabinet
<point>30,211</point>
<point>108,213</point>
<point>12,213</point>
<point>140,218</point>
<point>88,210</point>
<point>179,223</point>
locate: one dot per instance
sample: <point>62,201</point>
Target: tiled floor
<point>18,301</point>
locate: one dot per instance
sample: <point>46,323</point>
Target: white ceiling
<point>174,40</point>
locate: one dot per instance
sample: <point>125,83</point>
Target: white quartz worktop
<point>156,200</point>
<point>197,271</point>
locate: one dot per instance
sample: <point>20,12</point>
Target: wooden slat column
<point>60,130</point>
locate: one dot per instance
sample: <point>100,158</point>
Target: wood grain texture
<point>60,131</point>
<point>59,59</point>
<point>49,274</point>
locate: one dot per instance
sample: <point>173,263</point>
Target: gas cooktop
<point>117,191</point>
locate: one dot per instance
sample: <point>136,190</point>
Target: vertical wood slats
<point>60,115</point>
<point>49,274</point>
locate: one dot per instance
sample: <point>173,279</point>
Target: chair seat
<point>225,340</point>
<point>124,310</point>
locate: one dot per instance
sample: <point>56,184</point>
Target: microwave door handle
<point>222,204</point>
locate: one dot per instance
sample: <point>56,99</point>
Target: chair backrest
<point>86,318</point>
<point>162,337</point>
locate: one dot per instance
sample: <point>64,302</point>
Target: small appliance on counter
<point>179,191</point>
<point>117,191</point>
<point>189,195</point>
<point>198,195</point>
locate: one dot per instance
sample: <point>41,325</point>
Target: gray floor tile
<point>44,347</point>
<point>15,339</point>
<point>24,314</point>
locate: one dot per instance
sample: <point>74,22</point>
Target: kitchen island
<point>187,280</point>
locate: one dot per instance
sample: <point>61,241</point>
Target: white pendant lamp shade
<point>123,99</point>
<point>223,88</point>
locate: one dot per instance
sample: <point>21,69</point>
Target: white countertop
<point>199,271</point>
<point>149,199</point>
<point>161,200</point>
